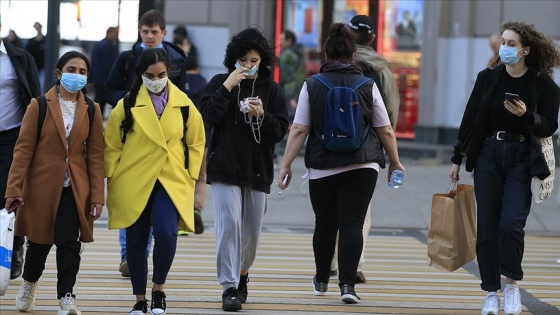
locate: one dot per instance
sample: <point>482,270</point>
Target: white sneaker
<point>25,300</point>
<point>512,300</point>
<point>68,306</point>
<point>491,304</point>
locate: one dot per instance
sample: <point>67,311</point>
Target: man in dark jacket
<point>103,56</point>
<point>152,31</point>
<point>292,69</point>
<point>19,83</point>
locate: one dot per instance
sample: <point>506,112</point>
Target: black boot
<point>17,263</point>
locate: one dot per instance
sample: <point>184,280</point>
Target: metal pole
<point>52,43</point>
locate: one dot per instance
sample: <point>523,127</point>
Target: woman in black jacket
<point>499,136</point>
<point>247,112</point>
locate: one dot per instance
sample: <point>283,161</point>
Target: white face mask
<point>155,86</point>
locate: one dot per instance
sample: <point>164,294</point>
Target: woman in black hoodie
<point>247,111</point>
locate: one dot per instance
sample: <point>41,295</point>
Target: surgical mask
<point>154,86</point>
<point>508,55</point>
<point>73,82</point>
<point>251,71</point>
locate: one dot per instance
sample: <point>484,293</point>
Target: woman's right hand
<point>235,78</point>
<point>454,173</point>
<point>12,203</point>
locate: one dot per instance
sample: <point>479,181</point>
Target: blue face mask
<point>508,55</point>
<point>73,82</point>
<point>251,71</point>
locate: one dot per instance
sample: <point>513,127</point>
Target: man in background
<point>495,41</point>
<point>36,47</point>
<point>19,83</point>
<point>292,69</point>
<point>103,56</point>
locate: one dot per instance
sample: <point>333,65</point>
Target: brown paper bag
<point>452,232</point>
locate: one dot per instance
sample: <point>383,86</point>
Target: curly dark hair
<point>147,58</point>
<point>544,55</point>
<point>340,43</point>
<point>244,41</point>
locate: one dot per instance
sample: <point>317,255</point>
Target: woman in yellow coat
<point>150,176</point>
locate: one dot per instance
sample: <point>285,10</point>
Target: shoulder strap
<point>42,113</point>
<point>91,110</point>
<point>185,114</point>
<point>359,81</point>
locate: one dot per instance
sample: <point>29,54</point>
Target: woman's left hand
<point>96,210</point>
<point>516,107</point>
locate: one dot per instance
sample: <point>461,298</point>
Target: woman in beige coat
<point>56,181</point>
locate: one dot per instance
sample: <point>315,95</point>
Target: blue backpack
<point>343,122</point>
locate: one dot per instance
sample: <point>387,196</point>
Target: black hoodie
<point>234,156</point>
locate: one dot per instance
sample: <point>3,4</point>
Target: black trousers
<point>66,234</point>
<point>7,143</point>
<point>340,204</point>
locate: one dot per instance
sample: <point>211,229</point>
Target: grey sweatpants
<point>238,217</point>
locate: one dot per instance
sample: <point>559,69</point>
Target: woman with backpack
<point>342,174</point>
<point>247,112</point>
<point>56,180</point>
<point>154,143</point>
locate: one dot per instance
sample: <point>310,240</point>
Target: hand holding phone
<point>511,97</point>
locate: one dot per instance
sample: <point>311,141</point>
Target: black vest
<point>316,156</point>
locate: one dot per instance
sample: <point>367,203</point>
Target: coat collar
<point>144,114</point>
<point>53,106</point>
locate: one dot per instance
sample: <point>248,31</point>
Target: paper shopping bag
<point>7,221</point>
<point>452,232</point>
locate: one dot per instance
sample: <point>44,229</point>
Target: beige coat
<point>37,172</point>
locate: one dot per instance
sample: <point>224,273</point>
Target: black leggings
<point>340,204</point>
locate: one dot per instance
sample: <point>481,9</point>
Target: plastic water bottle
<point>397,179</point>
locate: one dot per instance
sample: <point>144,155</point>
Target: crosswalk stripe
<point>399,280</point>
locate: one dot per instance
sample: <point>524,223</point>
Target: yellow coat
<point>153,151</point>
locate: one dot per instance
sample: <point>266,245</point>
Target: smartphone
<point>510,97</point>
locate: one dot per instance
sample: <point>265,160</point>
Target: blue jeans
<point>122,242</point>
<point>503,194</point>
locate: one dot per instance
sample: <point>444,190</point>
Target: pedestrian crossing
<point>399,280</point>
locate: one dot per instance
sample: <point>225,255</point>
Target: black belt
<point>507,136</point>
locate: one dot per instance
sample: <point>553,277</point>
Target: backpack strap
<point>42,113</point>
<point>359,81</point>
<point>185,114</point>
<point>91,110</point>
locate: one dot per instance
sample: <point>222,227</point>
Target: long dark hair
<point>248,39</point>
<point>64,60</point>
<point>147,58</point>
<point>340,43</point>
<point>544,55</point>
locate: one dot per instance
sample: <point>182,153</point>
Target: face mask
<point>73,82</point>
<point>154,86</point>
<point>251,71</point>
<point>508,55</point>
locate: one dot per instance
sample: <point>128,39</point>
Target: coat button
<point>66,159</point>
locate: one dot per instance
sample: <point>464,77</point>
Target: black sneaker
<point>230,300</point>
<point>158,303</point>
<point>141,307</point>
<point>198,225</point>
<point>242,288</point>
<point>320,288</point>
<point>348,294</point>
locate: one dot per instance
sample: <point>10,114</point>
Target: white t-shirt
<point>379,118</point>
